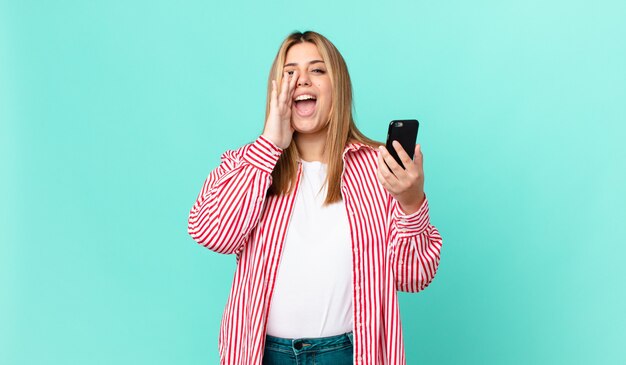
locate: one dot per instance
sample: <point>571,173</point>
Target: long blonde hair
<point>341,129</point>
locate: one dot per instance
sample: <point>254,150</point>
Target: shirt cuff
<point>412,224</point>
<point>263,154</point>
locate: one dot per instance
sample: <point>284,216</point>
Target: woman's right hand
<point>278,127</point>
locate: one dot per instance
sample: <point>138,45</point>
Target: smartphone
<point>405,132</point>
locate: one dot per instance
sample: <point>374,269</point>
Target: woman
<point>324,231</point>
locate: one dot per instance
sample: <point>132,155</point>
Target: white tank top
<point>313,291</point>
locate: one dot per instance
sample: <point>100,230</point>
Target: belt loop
<point>351,337</point>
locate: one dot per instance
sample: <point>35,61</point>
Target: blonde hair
<point>341,129</point>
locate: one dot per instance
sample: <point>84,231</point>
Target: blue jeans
<point>335,350</point>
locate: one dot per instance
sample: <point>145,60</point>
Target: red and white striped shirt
<point>390,250</point>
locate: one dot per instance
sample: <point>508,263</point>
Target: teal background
<point>112,113</point>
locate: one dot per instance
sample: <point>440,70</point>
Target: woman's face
<point>313,94</point>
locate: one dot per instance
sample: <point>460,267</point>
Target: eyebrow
<point>310,63</point>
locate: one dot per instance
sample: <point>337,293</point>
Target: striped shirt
<point>391,250</point>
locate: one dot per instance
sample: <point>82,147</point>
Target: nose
<point>303,80</point>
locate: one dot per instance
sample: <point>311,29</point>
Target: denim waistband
<point>309,344</point>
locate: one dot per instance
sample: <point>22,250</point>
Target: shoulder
<point>261,153</point>
<point>362,157</point>
<point>360,150</point>
<point>261,146</point>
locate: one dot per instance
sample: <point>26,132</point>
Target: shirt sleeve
<point>415,248</point>
<point>231,200</point>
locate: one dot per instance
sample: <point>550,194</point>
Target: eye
<point>289,72</point>
<point>319,71</point>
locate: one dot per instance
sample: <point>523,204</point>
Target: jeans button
<point>298,345</point>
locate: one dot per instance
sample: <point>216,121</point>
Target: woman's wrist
<point>275,140</point>
<point>410,208</point>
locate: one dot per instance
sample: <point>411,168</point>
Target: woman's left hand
<point>406,186</point>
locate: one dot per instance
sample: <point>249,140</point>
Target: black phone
<point>405,132</point>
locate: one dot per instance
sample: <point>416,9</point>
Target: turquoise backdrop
<point>112,113</point>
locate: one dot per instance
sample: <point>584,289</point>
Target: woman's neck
<point>311,146</point>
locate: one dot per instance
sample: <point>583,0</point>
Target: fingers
<point>274,95</point>
<point>383,181</point>
<point>292,87</point>
<point>282,95</point>
<point>418,152</point>
<point>384,174</point>
<point>287,89</point>
<point>393,166</point>
<point>381,175</point>
<point>404,157</point>
<point>418,159</point>
<point>406,186</point>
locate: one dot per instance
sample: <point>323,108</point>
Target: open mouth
<point>305,105</point>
